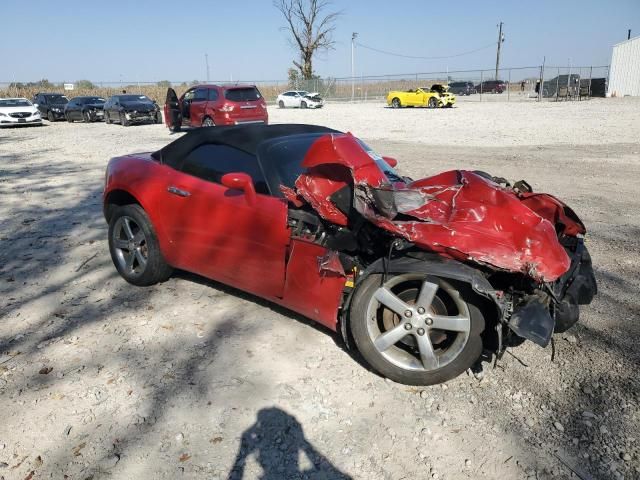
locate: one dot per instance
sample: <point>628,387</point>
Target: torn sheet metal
<point>457,213</point>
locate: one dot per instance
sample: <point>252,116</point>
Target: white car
<point>18,111</point>
<point>300,99</point>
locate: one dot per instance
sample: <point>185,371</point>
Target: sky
<point>144,40</point>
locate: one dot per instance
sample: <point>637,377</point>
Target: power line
<point>490,45</point>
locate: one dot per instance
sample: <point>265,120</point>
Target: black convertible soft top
<point>243,137</point>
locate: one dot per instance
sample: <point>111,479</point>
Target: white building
<point>624,75</point>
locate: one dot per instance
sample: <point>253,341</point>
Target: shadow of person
<point>277,440</point>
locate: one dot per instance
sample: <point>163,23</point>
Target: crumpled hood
<point>457,213</point>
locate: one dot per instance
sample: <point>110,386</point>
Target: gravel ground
<point>191,379</point>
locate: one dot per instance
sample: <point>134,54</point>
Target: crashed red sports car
<point>421,276</point>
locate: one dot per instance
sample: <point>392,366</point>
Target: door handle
<point>177,191</point>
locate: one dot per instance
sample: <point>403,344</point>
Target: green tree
<point>164,83</point>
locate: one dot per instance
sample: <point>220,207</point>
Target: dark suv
<point>492,86</point>
<point>462,88</point>
<point>51,105</point>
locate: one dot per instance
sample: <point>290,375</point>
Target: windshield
<point>134,98</point>
<point>15,102</point>
<point>56,99</point>
<point>87,100</point>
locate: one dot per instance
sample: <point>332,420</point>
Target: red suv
<point>210,105</point>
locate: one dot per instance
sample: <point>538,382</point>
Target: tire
<point>107,118</point>
<point>408,355</point>
<point>175,128</point>
<point>123,120</point>
<point>208,122</point>
<point>86,116</point>
<point>50,116</point>
<point>432,103</point>
<point>395,103</point>
<point>159,118</point>
<point>66,115</point>
<point>134,247</point>
<point>303,104</point>
<point>280,104</point>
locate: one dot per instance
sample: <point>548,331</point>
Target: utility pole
<point>354,35</point>
<point>206,61</point>
<point>500,40</point>
<point>629,34</point>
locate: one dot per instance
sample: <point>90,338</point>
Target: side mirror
<point>36,105</point>
<point>391,161</point>
<point>240,181</point>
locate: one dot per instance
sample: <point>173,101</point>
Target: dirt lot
<point>191,379</point>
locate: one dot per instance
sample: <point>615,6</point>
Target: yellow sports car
<point>436,96</point>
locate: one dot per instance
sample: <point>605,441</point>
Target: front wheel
<point>134,247</point>
<point>123,120</point>
<point>280,104</point>
<point>50,116</point>
<point>86,117</point>
<point>395,103</point>
<point>416,329</point>
<point>66,115</point>
<point>303,104</point>
<point>208,122</point>
<point>158,118</point>
<point>432,103</point>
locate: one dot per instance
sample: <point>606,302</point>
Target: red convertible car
<point>421,276</point>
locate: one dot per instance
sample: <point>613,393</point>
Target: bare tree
<point>311,27</point>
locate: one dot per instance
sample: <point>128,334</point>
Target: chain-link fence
<point>509,85</point>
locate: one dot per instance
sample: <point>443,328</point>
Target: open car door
<point>172,113</point>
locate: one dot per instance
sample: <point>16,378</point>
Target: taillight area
<point>226,108</point>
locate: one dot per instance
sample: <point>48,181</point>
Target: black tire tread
<point>157,269</point>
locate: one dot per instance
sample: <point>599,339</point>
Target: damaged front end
<point>523,251</point>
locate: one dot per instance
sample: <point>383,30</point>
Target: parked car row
<point>125,109</point>
<point>468,88</point>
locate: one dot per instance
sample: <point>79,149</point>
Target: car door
<point>219,232</point>
<point>198,106</point>
<point>172,112</point>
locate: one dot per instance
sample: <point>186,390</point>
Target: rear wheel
<point>416,329</point>
<point>208,122</point>
<point>395,103</point>
<point>50,116</point>
<point>134,247</point>
<point>432,103</point>
<point>175,128</point>
<point>280,104</point>
<point>86,117</point>
<point>68,117</point>
<point>303,104</point>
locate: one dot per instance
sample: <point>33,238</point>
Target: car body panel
<point>420,97</point>
<point>456,213</point>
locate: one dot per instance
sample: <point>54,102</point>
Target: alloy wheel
<point>130,246</point>
<point>418,324</point>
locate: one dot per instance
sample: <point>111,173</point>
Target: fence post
<point>590,75</point>
<point>481,78</point>
<point>509,85</point>
<point>557,83</point>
